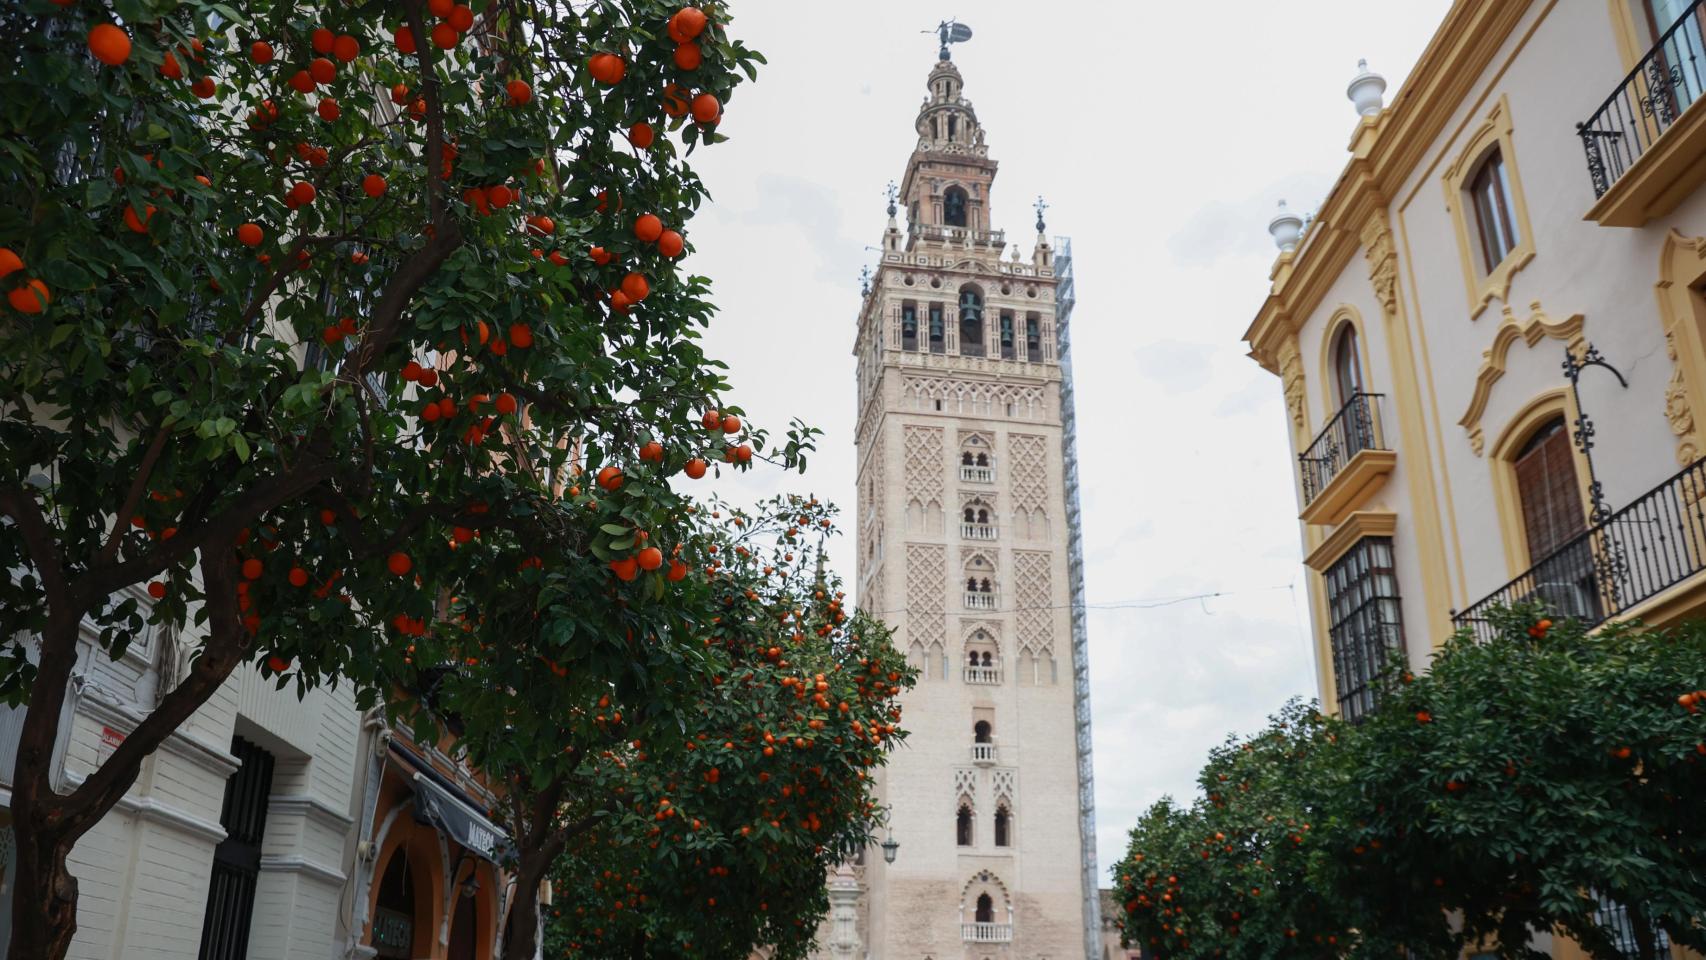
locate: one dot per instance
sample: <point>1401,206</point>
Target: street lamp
<point>891,847</point>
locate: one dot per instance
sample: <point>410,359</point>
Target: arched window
<point>1003,824</point>
<point>988,660</point>
<point>966,458</point>
<point>970,515</point>
<point>954,207</point>
<point>982,516</point>
<point>985,909</point>
<point>983,459</point>
<point>1347,366</point>
<point>971,322</point>
<point>980,731</point>
<point>971,584</point>
<point>1553,514</point>
<point>962,826</point>
<point>983,585</point>
<point>1490,192</point>
<point>394,919</point>
<point>971,658</point>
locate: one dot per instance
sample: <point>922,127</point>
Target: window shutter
<point>1551,498</point>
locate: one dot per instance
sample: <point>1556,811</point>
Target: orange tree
<point>687,755</point>
<point>1546,779</point>
<point>298,293</point>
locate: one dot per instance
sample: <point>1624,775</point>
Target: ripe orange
<point>440,8</point>
<point>674,100</point>
<point>688,56</point>
<point>204,88</point>
<point>610,478</point>
<point>9,262</point>
<point>707,108</point>
<point>648,228</point>
<point>157,590</point>
<point>731,424</point>
<point>636,287</point>
<point>346,48</point>
<point>135,223</point>
<point>688,22</point>
<point>170,69</point>
<point>32,297</point>
<point>619,301</point>
<point>670,243</point>
<point>519,92</point>
<point>298,577</point>
<point>743,453</point>
<point>677,570</point>
<point>322,70</point>
<point>625,569</point>
<point>373,185</point>
<point>399,93</point>
<point>462,18</point>
<point>302,81</point>
<point>695,468</point>
<point>711,420</point>
<point>599,255</point>
<point>404,39</point>
<point>505,403</point>
<point>277,664</point>
<point>541,226</point>
<point>499,196</point>
<point>444,36</point>
<point>321,40</point>
<point>109,44</point>
<point>260,52</point>
<point>249,235</point>
<point>520,335</point>
<point>399,563</point>
<point>650,558</point>
<point>641,135</point>
<point>302,192</point>
<point>328,109</point>
<point>607,68</point>
<point>252,568</point>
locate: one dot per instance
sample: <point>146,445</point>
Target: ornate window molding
<point>1537,327</point>
<point>1494,133</point>
<point>1682,267</point>
<point>1507,498</point>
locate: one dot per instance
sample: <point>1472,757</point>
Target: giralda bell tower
<point>968,548</point>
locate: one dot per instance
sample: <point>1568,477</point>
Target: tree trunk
<point>1646,946</point>
<point>44,897</point>
<point>524,913</point>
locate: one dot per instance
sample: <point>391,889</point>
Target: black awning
<point>460,822</point>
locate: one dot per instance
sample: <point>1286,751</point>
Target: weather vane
<point>1041,205</point>
<point>950,31</point>
<point>865,280</point>
<point>894,193</point>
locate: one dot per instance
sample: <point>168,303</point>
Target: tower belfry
<point>967,546</point>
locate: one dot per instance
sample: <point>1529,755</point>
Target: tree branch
<point>138,486</point>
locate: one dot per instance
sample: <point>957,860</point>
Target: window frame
<point>1484,285</point>
<point>1365,626</point>
<point>1489,194</point>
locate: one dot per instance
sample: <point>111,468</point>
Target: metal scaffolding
<point>1065,298</point>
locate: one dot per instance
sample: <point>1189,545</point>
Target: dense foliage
<point>304,297</point>
<point>1550,780</point>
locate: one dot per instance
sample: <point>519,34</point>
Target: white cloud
<point>1162,136</point>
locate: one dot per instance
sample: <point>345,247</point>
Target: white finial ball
<point>1367,91</point>
<point>1286,228</point>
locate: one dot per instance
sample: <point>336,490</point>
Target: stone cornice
<point>1384,151</point>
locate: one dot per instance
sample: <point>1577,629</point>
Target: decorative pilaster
<point>1382,263</point>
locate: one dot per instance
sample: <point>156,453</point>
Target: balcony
<point>1644,145</point>
<point>980,601</point>
<point>986,932</point>
<point>971,474</point>
<point>982,675</point>
<point>983,754</point>
<point>1346,463</point>
<point>977,531</point>
<point>1613,567</point>
<point>958,235</point>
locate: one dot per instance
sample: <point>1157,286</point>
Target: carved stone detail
<point>1291,377</point>
<point>1677,408</point>
<point>1536,328</point>
<point>924,465</point>
<point>1033,592</point>
<point>980,398</point>
<point>1027,456</point>
<point>1382,263</point>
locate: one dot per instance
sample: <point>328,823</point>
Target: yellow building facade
<point>1491,337</point>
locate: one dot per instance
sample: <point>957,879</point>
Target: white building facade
<point>964,546</point>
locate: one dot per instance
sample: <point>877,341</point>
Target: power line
<point>1132,604</point>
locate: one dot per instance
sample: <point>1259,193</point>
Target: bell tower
<point>966,546</point>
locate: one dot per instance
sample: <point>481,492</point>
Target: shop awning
<point>460,822</point>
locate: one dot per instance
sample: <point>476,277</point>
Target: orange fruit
<point>626,569</point>
<point>677,570</point>
<point>707,108</point>
<point>399,563</point>
<point>32,297</point>
<point>321,40</point>
<point>157,590</point>
<point>641,135</point>
<point>109,44</point>
<point>322,70</point>
<point>712,419</point>
<point>519,92</point>
<point>9,262</point>
<point>607,68</point>
<point>651,451</point>
<point>298,577</point>
<point>302,81</point>
<point>249,235</point>
<point>731,424</point>
<point>302,192</point>
<point>599,255</point>
<point>520,335</point>
<point>670,243</point>
<point>277,664</point>
<point>399,93</point>
<point>650,558</point>
<point>687,22</point>
<point>260,52</point>
<point>404,39</point>
<point>505,403</point>
<point>636,287</point>
<point>695,468</point>
<point>610,478</point>
<point>440,8</point>
<point>444,36</point>
<point>541,226</point>
<point>328,109</point>
<point>674,100</point>
<point>648,228</point>
<point>135,223</point>
<point>252,569</point>
<point>462,18</point>
<point>373,185</point>
<point>346,48</point>
<point>619,301</point>
<point>688,56</point>
<point>170,69</point>
<point>499,196</point>
<point>204,88</point>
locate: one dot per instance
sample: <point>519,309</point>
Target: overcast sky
<point>1161,135</point>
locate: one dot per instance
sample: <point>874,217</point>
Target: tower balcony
<point>974,474</point>
<point>959,235</point>
<point>982,754</point>
<point>986,932</point>
<point>980,601</point>
<point>983,675</point>
<point>977,531</point>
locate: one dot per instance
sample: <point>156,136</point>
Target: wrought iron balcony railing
<point>1353,429</point>
<point>974,474</point>
<point>1666,82</point>
<point>986,932</point>
<point>1640,551</point>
